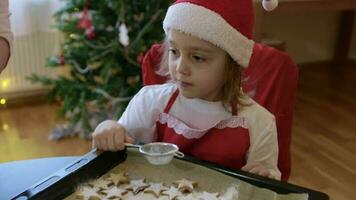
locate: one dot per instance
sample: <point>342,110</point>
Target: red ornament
<point>61,60</point>
<point>84,21</point>
<point>90,33</point>
<point>86,24</point>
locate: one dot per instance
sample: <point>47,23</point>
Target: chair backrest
<point>271,80</point>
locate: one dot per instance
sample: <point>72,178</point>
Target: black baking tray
<point>64,182</point>
<point>95,163</point>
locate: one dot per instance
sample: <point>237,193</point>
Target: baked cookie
<point>118,178</point>
<point>185,185</point>
<point>208,196</point>
<point>172,193</point>
<point>137,186</point>
<point>155,189</point>
<point>114,192</point>
<point>187,197</point>
<point>231,193</point>
<point>88,193</point>
<point>100,183</point>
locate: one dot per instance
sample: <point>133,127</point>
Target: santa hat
<point>226,23</point>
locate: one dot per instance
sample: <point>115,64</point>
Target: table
<point>347,7</point>
<point>30,172</point>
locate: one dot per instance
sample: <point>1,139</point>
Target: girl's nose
<point>182,66</point>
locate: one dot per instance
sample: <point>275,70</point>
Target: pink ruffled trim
<point>191,133</point>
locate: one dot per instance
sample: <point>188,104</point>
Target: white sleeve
<point>264,149</point>
<point>139,118</point>
<point>5,30</point>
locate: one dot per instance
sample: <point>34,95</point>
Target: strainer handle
<point>132,145</point>
<point>179,154</point>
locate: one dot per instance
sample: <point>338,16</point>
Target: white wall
<point>31,16</point>
<point>34,41</point>
<point>309,36</point>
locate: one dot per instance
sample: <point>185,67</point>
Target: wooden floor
<point>324,131</point>
<point>323,145</point>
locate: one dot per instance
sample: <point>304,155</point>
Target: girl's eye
<point>199,58</point>
<point>173,51</point>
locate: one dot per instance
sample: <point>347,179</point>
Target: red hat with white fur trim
<point>226,23</point>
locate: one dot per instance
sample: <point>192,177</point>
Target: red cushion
<point>271,78</point>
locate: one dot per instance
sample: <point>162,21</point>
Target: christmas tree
<point>104,43</point>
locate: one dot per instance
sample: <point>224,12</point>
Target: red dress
<point>221,144</point>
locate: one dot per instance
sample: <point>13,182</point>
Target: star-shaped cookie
<point>172,193</point>
<point>208,196</point>
<point>88,193</point>
<point>118,178</point>
<point>114,192</point>
<point>155,189</point>
<point>232,193</point>
<point>187,197</point>
<point>185,185</point>
<point>100,183</point>
<point>137,185</point>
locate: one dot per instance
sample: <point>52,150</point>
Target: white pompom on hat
<point>227,24</point>
<point>269,5</point>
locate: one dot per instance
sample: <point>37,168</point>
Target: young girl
<point>202,109</point>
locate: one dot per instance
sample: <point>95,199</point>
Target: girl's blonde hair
<point>231,91</point>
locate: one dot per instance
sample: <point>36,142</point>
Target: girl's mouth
<point>184,84</point>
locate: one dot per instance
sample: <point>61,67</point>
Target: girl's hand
<point>258,169</point>
<point>110,136</point>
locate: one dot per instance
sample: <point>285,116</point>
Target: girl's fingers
<point>110,136</point>
<point>97,143</point>
<point>93,145</point>
<point>110,141</point>
<point>245,168</point>
<point>255,170</point>
<point>103,143</point>
<point>264,173</point>
<point>129,139</point>
<point>249,166</point>
<point>271,176</point>
<point>119,143</point>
